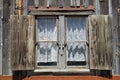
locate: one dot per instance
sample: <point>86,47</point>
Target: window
<point>76,41</point>
<point>61,42</point>
<point>47,50</point>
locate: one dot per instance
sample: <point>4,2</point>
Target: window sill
<point>63,70</point>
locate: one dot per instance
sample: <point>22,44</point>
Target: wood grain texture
<point>101,42</point>
<point>61,3</point>
<point>36,3</point>
<point>22,42</point>
<point>13,41</point>
<point>1,46</point>
<point>1,35</point>
<point>30,42</point>
<point>19,7</point>
<point>25,7</point>
<point>104,7</point>
<point>93,41</point>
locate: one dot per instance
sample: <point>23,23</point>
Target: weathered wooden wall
<point>60,3</point>
<point>118,39</point>
<point>104,6</point>
<point>115,25</point>
<point>5,56</point>
<point>1,44</point>
<point>5,32</point>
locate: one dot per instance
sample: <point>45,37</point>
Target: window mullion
<point>61,61</point>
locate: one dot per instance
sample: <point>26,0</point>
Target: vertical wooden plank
<point>101,42</point>
<point>1,46</point>
<point>93,41</point>
<point>36,3</point>
<point>91,2</point>
<point>22,42</point>
<point>78,3</point>
<point>26,42</point>
<point>19,7</point>
<point>116,66</point>
<point>30,43</point>
<point>67,2</point>
<point>48,3</point>
<point>31,2</point>
<point>87,3</point>
<point>116,69</point>
<point>106,42</point>
<point>1,33</point>
<point>118,45</point>
<point>12,6</point>
<point>83,2</point>
<point>6,30</point>
<point>97,6</point>
<point>110,6</point>
<point>61,3</point>
<point>25,7</point>
<point>104,10</point>
<point>109,42</point>
<point>13,41</point>
<point>72,3</point>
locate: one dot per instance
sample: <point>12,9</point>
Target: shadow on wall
<point>102,73</point>
<point>21,75</point>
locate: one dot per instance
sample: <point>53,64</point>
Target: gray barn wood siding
<point>104,7</point>
<point>1,32</point>
<point>5,56</point>
<point>118,41</point>
<point>5,31</point>
<point>61,3</point>
<point>115,26</point>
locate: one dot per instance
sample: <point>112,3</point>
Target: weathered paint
<point>58,78</point>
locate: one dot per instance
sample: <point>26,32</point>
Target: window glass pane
<point>76,28</point>
<point>76,41</point>
<point>47,54</point>
<point>47,29</point>
<point>76,52</point>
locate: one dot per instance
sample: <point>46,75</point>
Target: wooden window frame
<point>60,15</point>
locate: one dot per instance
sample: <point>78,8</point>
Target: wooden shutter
<point>101,42</point>
<point>22,42</point>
